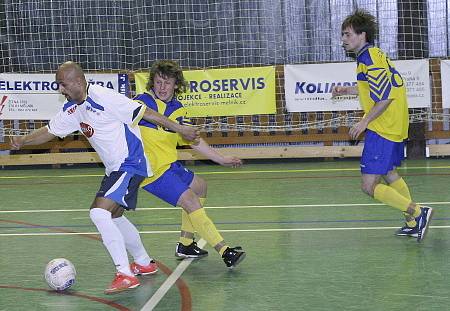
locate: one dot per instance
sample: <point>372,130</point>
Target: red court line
<point>92,298</point>
<point>183,288</point>
<point>87,236</point>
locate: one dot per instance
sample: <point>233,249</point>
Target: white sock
<point>133,241</point>
<point>112,239</point>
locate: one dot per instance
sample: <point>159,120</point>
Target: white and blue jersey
<point>109,122</point>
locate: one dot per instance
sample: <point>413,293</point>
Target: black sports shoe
<point>190,251</point>
<point>233,256</point>
<point>423,221</point>
<point>408,231</point>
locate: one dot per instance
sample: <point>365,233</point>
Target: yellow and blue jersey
<point>160,143</point>
<point>378,80</point>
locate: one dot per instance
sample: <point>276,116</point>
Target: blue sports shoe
<point>408,231</point>
<point>423,222</point>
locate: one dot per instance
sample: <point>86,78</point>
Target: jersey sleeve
<point>62,124</point>
<point>182,119</point>
<point>379,77</point>
<point>125,109</point>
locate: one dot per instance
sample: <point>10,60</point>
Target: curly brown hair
<point>362,21</point>
<point>167,69</point>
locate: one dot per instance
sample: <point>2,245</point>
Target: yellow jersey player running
<point>382,95</point>
<point>172,182</point>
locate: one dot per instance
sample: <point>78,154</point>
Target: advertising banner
<point>225,92</point>
<point>308,87</point>
<point>36,96</point>
<point>445,78</point>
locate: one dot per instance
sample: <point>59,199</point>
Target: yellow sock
<point>411,223</point>
<point>402,188</point>
<point>205,227</point>
<point>391,197</point>
<point>222,249</point>
<point>187,230</point>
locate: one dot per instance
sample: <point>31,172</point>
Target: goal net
<point>128,35</point>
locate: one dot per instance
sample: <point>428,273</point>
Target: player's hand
<point>17,142</point>
<point>357,129</point>
<point>339,90</point>
<point>190,133</point>
<point>231,161</point>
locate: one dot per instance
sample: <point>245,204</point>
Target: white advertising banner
<point>445,78</point>
<point>36,96</point>
<point>308,87</point>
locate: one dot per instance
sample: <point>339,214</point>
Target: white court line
<point>403,168</point>
<point>226,230</point>
<point>169,208</point>
<point>168,283</point>
<point>421,296</point>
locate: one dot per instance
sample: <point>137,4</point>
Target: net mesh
<point>128,35</point>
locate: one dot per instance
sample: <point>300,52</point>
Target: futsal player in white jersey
<point>109,121</point>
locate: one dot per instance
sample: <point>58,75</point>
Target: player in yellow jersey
<point>172,182</point>
<point>382,95</point>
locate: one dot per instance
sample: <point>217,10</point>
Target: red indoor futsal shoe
<point>137,269</point>
<point>122,282</point>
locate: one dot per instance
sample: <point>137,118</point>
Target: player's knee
<point>190,209</point>
<point>189,201</point>
<point>203,188</point>
<point>106,204</point>
<point>117,212</point>
<point>99,214</point>
<point>199,186</point>
<point>367,189</point>
<point>191,205</point>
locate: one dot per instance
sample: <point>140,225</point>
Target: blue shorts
<point>121,187</point>
<point>172,184</point>
<point>380,155</point>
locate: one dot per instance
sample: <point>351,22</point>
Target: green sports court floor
<point>314,241</point>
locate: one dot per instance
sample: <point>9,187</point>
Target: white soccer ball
<point>60,274</point>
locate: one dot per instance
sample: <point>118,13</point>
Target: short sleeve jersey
<point>378,80</point>
<point>109,121</point>
<point>159,143</point>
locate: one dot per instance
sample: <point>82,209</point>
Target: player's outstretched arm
<point>205,149</point>
<point>339,90</point>
<point>36,137</point>
<point>189,133</point>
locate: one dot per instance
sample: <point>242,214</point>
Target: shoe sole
<point>420,237</point>
<point>415,235</point>
<point>146,273</point>
<point>118,290</point>
<point>238,261</point>
<point>183,256</point>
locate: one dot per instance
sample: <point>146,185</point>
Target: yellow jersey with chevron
<point>159,143</point>
<point>378,80</point>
